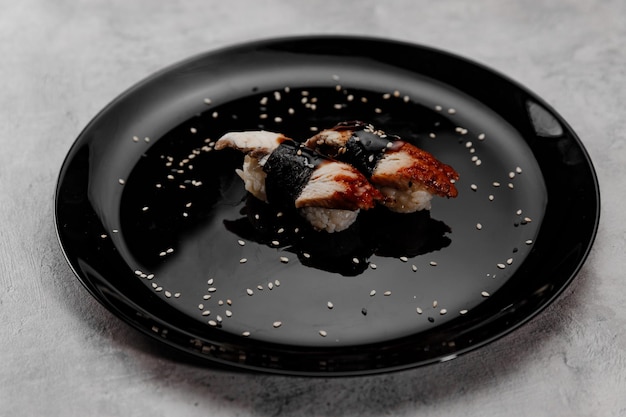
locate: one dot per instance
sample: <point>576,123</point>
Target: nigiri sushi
<point>276,169</point>
<point>407,176</point>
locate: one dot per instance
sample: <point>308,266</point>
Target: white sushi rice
<point>329,220</point>
<point>253,177</point>
<point>406,201</point>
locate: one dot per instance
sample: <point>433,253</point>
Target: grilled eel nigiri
<point>407,177</point>
<point>278,170</point>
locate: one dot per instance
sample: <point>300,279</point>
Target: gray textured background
<point>63,354</point>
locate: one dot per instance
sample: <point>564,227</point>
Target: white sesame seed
<point>484,294</point>
<point>249,291</point>
<point>419,310</point>
<point>474,187</point>
<point>481,136</point>
<point>241,242</point>
<point>414,268</point>
<point>451,111</point>
<point>404,258</point>
<point>207,101</point>
<point>463,312</point>
<point>509,261</point>
<point>323,333</point>
<point>212,323</point>
<point>176,295</point>
<point>479,226</point>
<point>270,285</point>
<point>432,135</point>
<point>518,212</point>
<point>438,108</point>
<point>206,313</point>
<point>491,197</point>
<point>478,162</point>
<point>259,287</point>
<point>510,185</point>
<point>433,263</point>
<point>372,293</point>
<point>373,266</point>
<point>228,313</point>
<point>518,170</point>
<point>135,139</point>
<point>206,297</point>
<point>243,260</point>
<point>435,303</point>
<point>201,306</point>
<point>501,266</point>
<point>387,293</point>
<point>443,311</point>
<point>529,242</point>
<point>168,294</point>
<point>496,184</point>
<point>284,259</point>
<point>330,305</point>
<point>277,283</point>
<point>246,334</point>
<point>528,219</point>
<point>277,324</point>
<point>121,181</point>
<point>355,260</point>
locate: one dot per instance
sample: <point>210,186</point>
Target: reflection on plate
<point>157,225</point>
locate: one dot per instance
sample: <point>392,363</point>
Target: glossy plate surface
<point>157,226</point>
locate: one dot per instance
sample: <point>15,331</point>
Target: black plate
<point>157,226</point>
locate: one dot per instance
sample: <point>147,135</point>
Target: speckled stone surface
<point>64,354</point>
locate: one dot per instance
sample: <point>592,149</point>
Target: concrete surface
<point>65,355</point>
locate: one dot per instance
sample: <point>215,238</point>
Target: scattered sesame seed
<point>529,242</point>
<point>432,135</point>
<point>435,303</point>
<point>243,260</point>
<point>277,283</point>
<point>323,333</point>
<point>372,293</point>
<point>474,187</point>
<point>509,261</point>
<point>491,197</point>
<point>135,139</point>
<point>245,334</point>
<point>330,305</point>
<point>373,266</point>
<point>481,136</point>
<point>433,263</point>
<point>387,293</point>
<point>355,260</point>
<point>206,313</point>
<point>451,111</point>
<point>228,313</point>
<point>249,291</point>
<point>212,323</point>
<point>496,184</point>
<point>443,311</point>
<point>478,162</point>
<point>438,108</point>
<point>419,310</point>
<point>484,294</point>
<point>404,258</point>
<point>284,259</point>
<point>168,294</point>
<point>201,306</point>
<point>241,242</point>
<point>121,181</point>
<point>207,101</point>
<point>510,185</point>
<point>414,268</point>
<point>462,312</point>
<point>501,266</point>
<point>479,226</point>
<point>277,324</point>
<point>518,170</point>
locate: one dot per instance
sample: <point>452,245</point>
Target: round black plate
<point>157,225</point>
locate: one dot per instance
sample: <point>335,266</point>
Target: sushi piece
<point>329,194</point>
<point>407,177</point>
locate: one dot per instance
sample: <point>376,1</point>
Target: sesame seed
<point>518,170</point>
<point>387,293</point>
<point>435,303</point>
<point>355,260</point>
<point>496,184</point>
<point>201,306</point>
<point>432,135</point>
<point>241,242</point>
<point>277,324</point>
<point>443,311</point>
<point>373,266</point>
<point>249,291</point>
<point>228,313</point>
<point>414,268</point>
<point>419,310</point>
<point>511,174</point>
<point>207,101</point>
<point>176,295</point>
<point>404,258</point>
<point>463,312</point>
<point>510,185</point>
<point>206,297</point>
<point>451,111</point>
<point>259,287</point>
<point>121,181</point>
<point>168,294</point>
<point>527,219</point>
<point>372,293</point>
<point>481,136</point>
<point>491,197</point>
<point>484,294</point>
<point>212,323</point>
<point>509,261</point>
<point>135,139</point>
<point>277,283</point>
<point>330,305</point>
<point>212,289</point>
<point>474,187</point>
<point>206,313</point>
<point>270,285</point>
<point>518,212</point>
<point>478,162</point>
<point>246,334</point>
<point>529,242</point>
<point>243,260</point>
<point>433,263</point>
<point>501,266</point>
<point>323,333</point>
<point>284,259</point>
<point>438,108</point>
<point>278,119</point>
